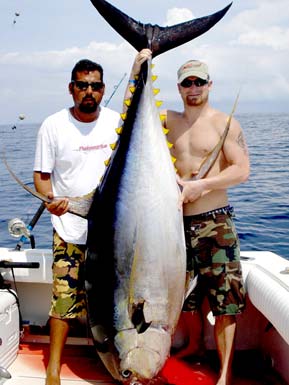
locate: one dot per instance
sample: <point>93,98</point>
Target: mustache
<point>88,98</point>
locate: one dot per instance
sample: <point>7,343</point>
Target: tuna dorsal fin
<point>158,39</point>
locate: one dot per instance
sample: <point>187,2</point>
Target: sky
<point>247,50</point>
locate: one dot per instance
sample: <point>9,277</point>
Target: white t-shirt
<point>74,153</point>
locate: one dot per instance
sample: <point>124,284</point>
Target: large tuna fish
<point>136,260</point>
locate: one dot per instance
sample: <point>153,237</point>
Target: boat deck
<point>82,366</point>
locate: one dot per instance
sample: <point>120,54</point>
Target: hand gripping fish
<point>136,258</point>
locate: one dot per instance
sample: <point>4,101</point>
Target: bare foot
<point>225,380</point>
<point>52,377</point>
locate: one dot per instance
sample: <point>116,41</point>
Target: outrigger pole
<point>114,91</point>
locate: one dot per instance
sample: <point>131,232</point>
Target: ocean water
<point>261,204</point>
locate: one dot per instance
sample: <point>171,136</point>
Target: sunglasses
<point>83,86</point>
<point>186,83</point>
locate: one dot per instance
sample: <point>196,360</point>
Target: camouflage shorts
<point>68,297</point>
<point>213,252</point>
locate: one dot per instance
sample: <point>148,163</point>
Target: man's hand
<point>144,55</point>
<point>190,190</point>
<point>58,206</point>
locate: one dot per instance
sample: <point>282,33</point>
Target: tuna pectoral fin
<point>27,188</point>
<point>81,205</point>
<point>211,158</point>
<point>111,363</point>
<point>158,39</point>
<point>77,205</point>
<point>106,350</point>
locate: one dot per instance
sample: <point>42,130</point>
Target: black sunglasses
<point>186,83</point>
<point>83,86</point>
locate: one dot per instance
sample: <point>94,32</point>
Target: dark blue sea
<point>261,204</point>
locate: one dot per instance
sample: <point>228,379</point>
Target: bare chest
<point>191,145</point>
<point>196,141</point>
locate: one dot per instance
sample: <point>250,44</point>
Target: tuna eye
<point>126,373</point>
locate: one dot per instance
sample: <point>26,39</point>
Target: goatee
<point>88,108</point>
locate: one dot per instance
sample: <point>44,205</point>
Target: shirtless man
<point>213,250</point>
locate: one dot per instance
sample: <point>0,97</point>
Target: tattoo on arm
<point>241,142</point>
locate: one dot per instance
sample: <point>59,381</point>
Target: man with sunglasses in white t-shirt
<point>72,147</point>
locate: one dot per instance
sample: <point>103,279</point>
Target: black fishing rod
<point>114,91</point>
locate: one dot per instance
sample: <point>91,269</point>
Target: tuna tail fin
<point>158,39</point>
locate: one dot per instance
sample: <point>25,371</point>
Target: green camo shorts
<point>213,252</point>
<point>68,296</point>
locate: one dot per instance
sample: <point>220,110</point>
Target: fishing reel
<point>17,228</point>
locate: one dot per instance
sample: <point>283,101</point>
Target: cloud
<point>264,25</point>
<point>274,37</point>
<point>178,15</point>
<point>60,59</point>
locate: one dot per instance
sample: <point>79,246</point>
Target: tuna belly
<point>149,245</point>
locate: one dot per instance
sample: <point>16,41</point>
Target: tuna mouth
<point>139,366</point>
<point>132,380</point>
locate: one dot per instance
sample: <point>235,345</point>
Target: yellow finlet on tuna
<point>156,91</point>
<point>106,162</point>
<point>159,103</point>
<point>165,131</point>
<point>119,130</point>
<point>127,102</point>
<point>132,89</point>
<point>154,78</point>
<point>170,145</point>
<point>113,145</point>
<point>163,117</point>
<point>123,116</point>
<point>173,159</point>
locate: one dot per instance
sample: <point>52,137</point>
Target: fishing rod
<point>114,91</point>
